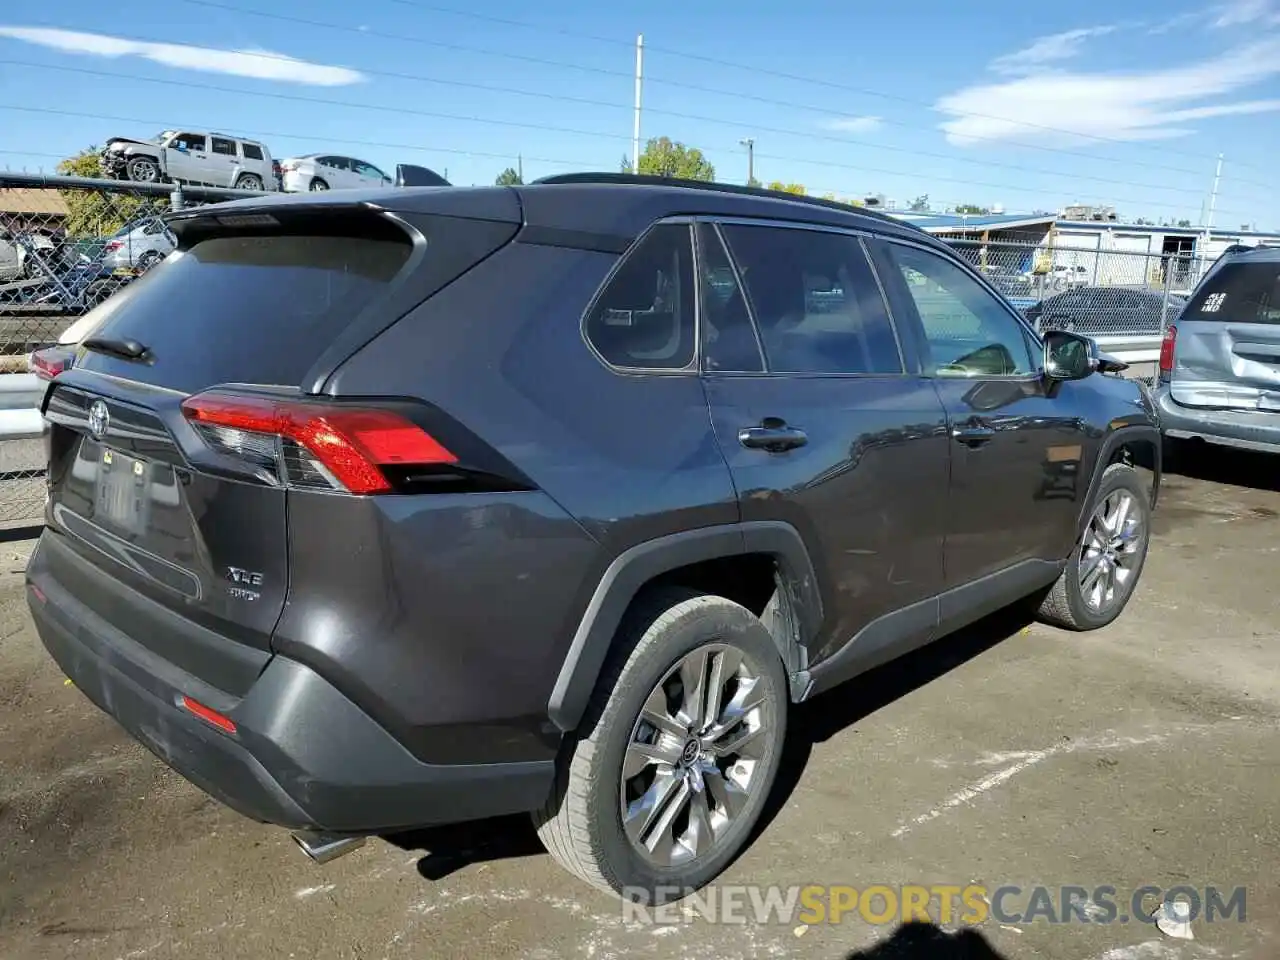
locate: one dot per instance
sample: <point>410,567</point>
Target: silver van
<point>1219,376</point>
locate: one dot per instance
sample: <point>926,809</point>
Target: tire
<point>582,823</point>
<point>248,181</point>
<point>149,260</point>
<point>143,170</point>
<point>317,185</point>
<point>1068,604</point>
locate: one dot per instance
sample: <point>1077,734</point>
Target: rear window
<point>1238,293</point>
<point>251,151</point>
<point>249,309</point>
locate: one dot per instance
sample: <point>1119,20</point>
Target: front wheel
<point>317,185</point>
<point>677,753</point>
<point>143,170</point>
<point>249,181</point>
<point>1103,569</point>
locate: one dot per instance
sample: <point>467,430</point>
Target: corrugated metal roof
<point>32,200</point>
<point>1217,233</point>
<point>975,223</point>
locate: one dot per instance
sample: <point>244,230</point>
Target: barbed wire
<point>717,61</point>
<point>541,127</point>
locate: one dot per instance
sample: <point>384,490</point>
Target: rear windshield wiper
<point>125,349</point>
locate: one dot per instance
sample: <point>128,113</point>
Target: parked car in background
<point>18,253</point>
<point>209,159</point>
<point>1008,280</point>
<point>692,503</point>
<point>1219,376</point>
<point>329,171</point>
<point>1105,310</point>
<point>139,247</point>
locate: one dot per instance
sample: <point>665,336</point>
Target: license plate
<point>123,495</point>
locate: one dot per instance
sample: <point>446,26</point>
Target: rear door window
<point>1238,293</point>
<point>226,148</point>
<point>249,309</point>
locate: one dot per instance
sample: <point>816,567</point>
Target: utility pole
<point>750,144</point>
<point>1208,221</point>
<point>520,167</point>
<point>635,130</point>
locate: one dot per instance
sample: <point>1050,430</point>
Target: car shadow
<point>1198,460</point>
<point>450,848</point>
<point>924,941</point>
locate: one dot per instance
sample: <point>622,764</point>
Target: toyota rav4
<point>450,503</point>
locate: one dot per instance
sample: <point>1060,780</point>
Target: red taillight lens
<point>113,245</point>
<point>208,714</point>
<point>315,445</point>
<point>1167,346</point>
<point>51,361</point>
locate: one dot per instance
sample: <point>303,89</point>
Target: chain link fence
<point>1100,293</point>
<point>66,245</point>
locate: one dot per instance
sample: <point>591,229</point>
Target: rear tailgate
<point>1228,341</point>
<point>175,533</point>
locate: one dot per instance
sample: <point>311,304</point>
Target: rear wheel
<point>249,181</point>
<point>677,752</point>
<point>317,184</point>
<point>1104,568</point>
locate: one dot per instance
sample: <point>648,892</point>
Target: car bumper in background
<point>1247,429</point>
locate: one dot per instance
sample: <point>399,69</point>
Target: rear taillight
<point>51,361</point>
<point>1167,347</point>
<point>315,446</point>
<point>113,245</point>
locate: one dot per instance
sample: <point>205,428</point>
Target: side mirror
<point>1068,356</point>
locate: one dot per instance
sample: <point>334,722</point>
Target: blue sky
<point>1029,106</point>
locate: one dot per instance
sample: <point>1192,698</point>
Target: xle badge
<point>244,581</point>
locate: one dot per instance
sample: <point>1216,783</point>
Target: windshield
<point>161,137</point>
<point>1238,293</point>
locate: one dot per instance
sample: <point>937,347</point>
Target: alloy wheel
<point>1110,551</point>
<point>695,755</point>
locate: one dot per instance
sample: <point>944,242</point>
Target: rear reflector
<point>208,714</point>
<point>338,447</point>
<point>1167,347</point>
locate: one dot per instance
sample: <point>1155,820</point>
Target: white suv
<point>210,159</point>
<point>329,171</point>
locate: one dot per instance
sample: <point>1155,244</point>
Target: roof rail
<point>654,181</point>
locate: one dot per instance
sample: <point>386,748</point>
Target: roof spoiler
<point>408,175</point>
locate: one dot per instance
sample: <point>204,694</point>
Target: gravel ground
<point>1145,753</point>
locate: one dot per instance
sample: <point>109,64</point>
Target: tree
<point>1144,222</point>
<point>626,164</point>
<point>663,157</point>
<point>508,178</point>
<point>753,182</point>
<point>95,213</point>
<point>920,204</point>
<point>787,187</point>
<point>1184,223</point>
<point>971,209</point>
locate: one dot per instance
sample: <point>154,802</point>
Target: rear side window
<point>644,316</point>
<point>816,302</point>
<point>248,309</point>
<point>729,340</point>
<point>226,148</point>
<point>251,151</point>
<point>1238,293</point>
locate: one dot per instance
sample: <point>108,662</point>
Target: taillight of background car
<point>48,362</point>
<point>1167,347</point>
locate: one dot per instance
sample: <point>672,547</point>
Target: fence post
<point>1168,286</point>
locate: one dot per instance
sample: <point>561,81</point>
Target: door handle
<point>775,439</point>
<point>973,435</point>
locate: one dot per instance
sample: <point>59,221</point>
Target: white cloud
<point>258,64</point>
<point>1131,106</point>
<point>1238,12</point>
<point>1047,50</point>
<point>854,124</point>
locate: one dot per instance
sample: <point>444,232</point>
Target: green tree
<point>1184,223</point>
<point>508,178</point>
<point>971,209</point>
<point>920,204</point>
<point>795,188</point>
<point>97,213</point>
<point>663,157</point>
<point>754,182</point>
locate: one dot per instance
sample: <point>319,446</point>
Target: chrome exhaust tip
<point>325,847</point>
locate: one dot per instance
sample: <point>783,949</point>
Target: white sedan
<point>327,171</point>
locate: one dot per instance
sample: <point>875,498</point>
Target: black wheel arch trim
<point>1117,438</point>
<point>635,567</point>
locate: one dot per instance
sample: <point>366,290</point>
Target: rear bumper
<point>1234,428</point>
<point>302,756</point>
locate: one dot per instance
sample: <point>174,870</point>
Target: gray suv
<point>1219,377</point>
<point>448,503</point>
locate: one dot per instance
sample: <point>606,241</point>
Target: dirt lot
<point>1146,753</point>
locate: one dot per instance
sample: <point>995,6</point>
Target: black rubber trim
<point>575,239</point>
<point>901,631</point>
<point>1117,438</point>
<point>635,567</point>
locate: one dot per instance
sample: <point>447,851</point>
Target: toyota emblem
<point>99,419</point>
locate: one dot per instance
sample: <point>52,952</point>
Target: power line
<point>782,75</point>
<point>529,126</point>
<point>790,132</point>
<point>710,90</point>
